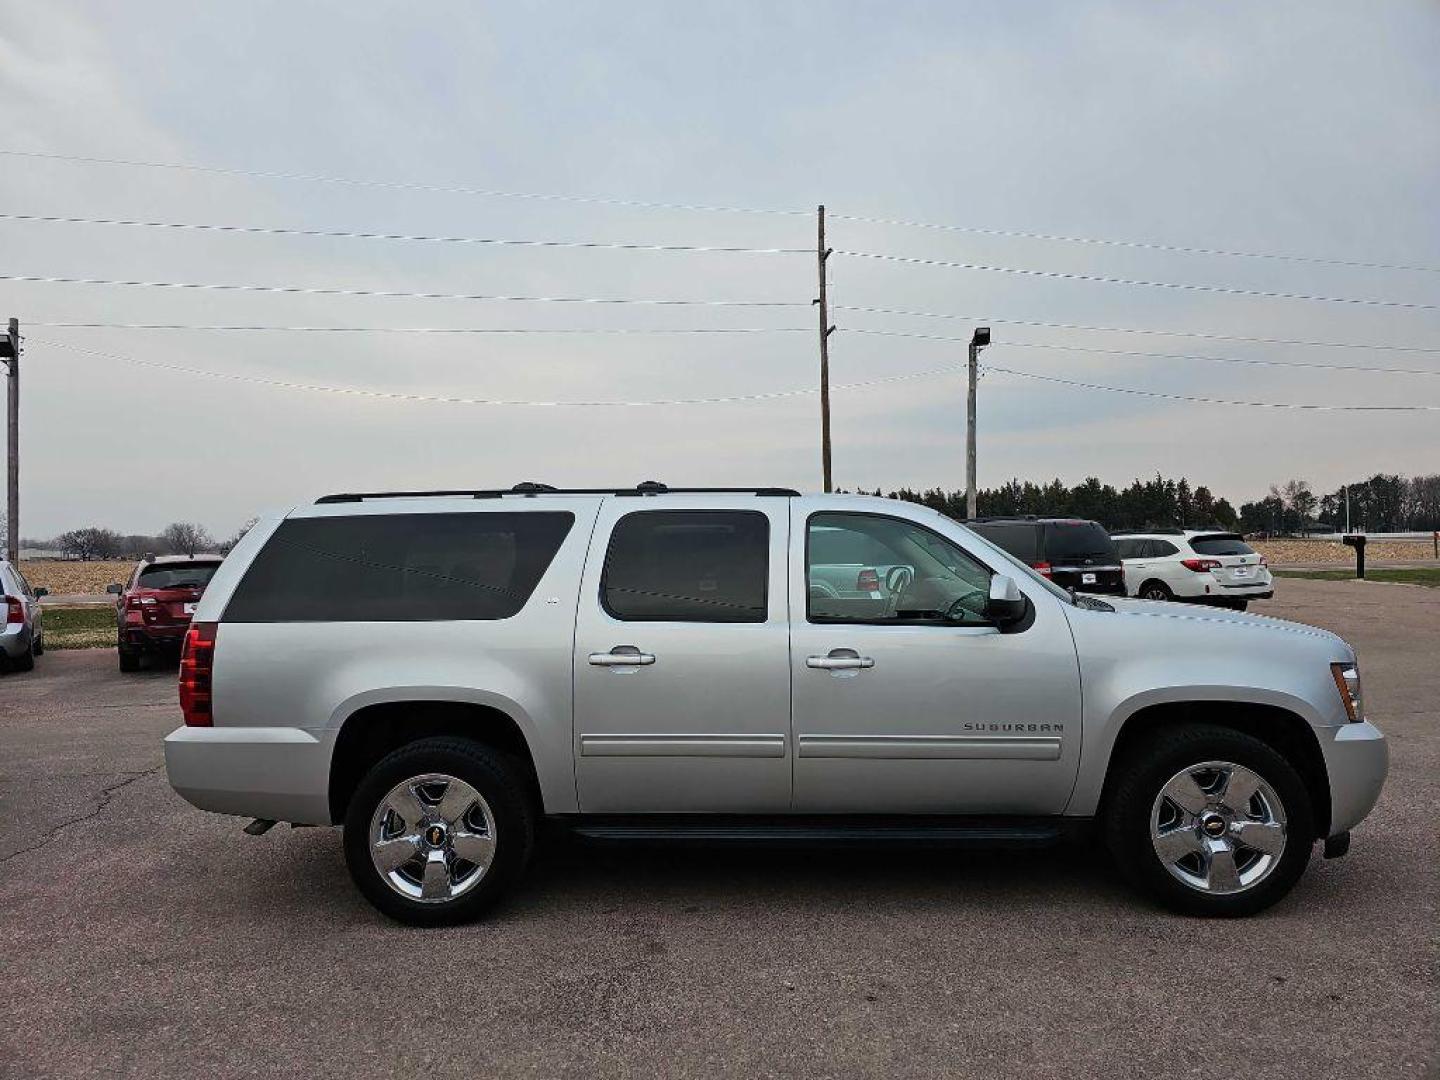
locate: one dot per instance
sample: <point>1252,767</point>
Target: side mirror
<point>41,591</point>
<point>114,590</point>
<point>1006,603</point>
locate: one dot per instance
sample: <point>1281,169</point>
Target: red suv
<point>154,610</point>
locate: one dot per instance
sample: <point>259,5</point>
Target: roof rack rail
<point>1167,531</point>
<point>532,488</point>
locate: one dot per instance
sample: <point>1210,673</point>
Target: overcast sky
<point>1298,128</point>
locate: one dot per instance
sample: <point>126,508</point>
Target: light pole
<point>978,341</point>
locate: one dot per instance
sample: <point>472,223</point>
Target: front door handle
<point>622,656</point>
<point>839,660</point>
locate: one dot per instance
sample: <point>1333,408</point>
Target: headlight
<point>1347,681</point>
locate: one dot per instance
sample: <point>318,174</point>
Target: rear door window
<point>688,566</point>
<point>1131,549</point>
<point>1220,544</point>
<point>399,567</point>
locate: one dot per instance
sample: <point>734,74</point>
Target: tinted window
<point>1162,548</point>
<point>399,567</point>
<point>1018,538</point>
<point>1220,544</point>
<point>918,575</point>
<point>1131,549</point>
<point>1065,541</point>
<point>176,575</point>
<point>688,566</point>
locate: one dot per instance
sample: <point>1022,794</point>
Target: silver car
<point>22,638</point>
<point>439,672</point>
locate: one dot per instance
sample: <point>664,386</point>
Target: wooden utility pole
<point>10,353</point>
<point>978,340</point>
<point>822,254</point>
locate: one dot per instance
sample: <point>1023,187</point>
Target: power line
<point>394,294</point>
<point>711,208</point>
<point>1157,355</point>
<point>1210,400</point>
<point>434,189</point>
<point>1144,245</point>
<point>426,329</point>
<point>285,384</point>
<point>342,234</point>
<point>1062,275</point>
<point>1199,334</point>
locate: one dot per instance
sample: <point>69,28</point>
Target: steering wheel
<point>897,580</point>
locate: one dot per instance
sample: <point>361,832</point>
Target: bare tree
<point>186,538</point>
<point>90,543</point>
<point>227,545</point>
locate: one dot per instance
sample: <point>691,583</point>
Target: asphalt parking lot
<point>142,937</point>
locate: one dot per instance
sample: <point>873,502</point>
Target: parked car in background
<point>441,673</point>
<point>155,607</point>
<point>22,638</point>
<point>1072,552</point>
<point>1203,565</point>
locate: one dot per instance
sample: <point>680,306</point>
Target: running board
<point>1029,835</point>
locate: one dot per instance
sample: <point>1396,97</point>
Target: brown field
<point>66,578</point>
<point>1305,552</point>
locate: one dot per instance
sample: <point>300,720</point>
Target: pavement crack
<point>106,795</point>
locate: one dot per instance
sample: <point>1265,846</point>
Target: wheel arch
<point>372,731</point>
<point>1281,728</point>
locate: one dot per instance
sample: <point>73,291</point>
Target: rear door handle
<point>839,663</point>
<point>622,656</point>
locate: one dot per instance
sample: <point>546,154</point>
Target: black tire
<point>26,660</point>
<point>40,645</point>
<point>129,659</point>
<point>1150,764</point>
<point>1155,590</point>
<point>500,781</point>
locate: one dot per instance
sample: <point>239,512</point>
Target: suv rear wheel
<point>1209,821</point>
<point>1155,590</point>
<point>438,830</point>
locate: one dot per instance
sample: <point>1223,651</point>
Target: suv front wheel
<point>1209,821</point>
<point>438,830</point>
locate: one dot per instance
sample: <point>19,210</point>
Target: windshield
<point>1065,540</point>
<point>1017,569</point>
<point>1220,544</point>
<point>177,575</point>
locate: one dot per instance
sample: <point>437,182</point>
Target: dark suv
<point>1073,553</point>
<point>155,608</point>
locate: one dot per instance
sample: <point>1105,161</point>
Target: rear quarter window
<point>399,567</point>
<point>1220,544</point>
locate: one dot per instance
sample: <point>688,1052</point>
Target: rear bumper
<point>15,640</point>
<point>1357,758</point>
<point>282,774</point>
<point>154,637</point>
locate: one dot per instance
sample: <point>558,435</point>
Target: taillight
<point>1041,568</point>
<point>1264,561</point>
<point>14,609</point>
<point>197,662</point>
<point>135,603</point>
<point>867,581</point>
<point>1200,565</point>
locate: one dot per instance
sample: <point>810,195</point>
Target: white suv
<point>1193,564</point>
<point>440,672</point>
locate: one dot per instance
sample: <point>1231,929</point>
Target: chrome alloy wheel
<point>432,838</point>
<point>1218,827</point>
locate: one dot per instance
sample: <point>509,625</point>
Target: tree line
<point>1383,503</point>
<point>95,542</point>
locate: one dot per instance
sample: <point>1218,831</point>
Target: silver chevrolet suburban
<point>437,671</point>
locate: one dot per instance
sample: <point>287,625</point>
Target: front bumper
<point>281,774</point>
<point>1357,758</point>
